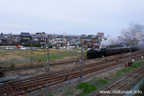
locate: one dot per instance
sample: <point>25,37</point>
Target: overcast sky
<point>73,17</point>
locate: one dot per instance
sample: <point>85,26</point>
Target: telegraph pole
<point>82,42</point>
<point>31,50</point>
<point>44,55</point>
<point>130,54</point>
<point>46,89</point>
<point>47,65</point>
<point>48,54</point>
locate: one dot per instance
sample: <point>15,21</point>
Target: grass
<point>54,56</point>
<point>5,54</point>
<point>49,94</point>
<point>125,70</point>
<point>86,87</point>
<point>22,60</point>
<point>69,91</point>
<point>38,55</point>
<point>95,83</point>
<point>99,82</point>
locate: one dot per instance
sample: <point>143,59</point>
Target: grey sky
<point>70,16</point>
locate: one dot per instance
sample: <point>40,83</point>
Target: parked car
<point>8,48</point>
<point>23,48</point>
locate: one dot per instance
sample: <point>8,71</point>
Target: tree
<point>1,33</point>
<point>89,36</point>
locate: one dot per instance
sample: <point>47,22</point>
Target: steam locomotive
<point>95,53</point>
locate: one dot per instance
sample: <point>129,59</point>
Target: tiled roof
<point>39,36</point>
<point>2,37</point>
<point>25,34</point>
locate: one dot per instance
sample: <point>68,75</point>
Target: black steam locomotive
<point>95,53</point>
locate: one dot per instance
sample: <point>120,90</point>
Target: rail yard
<point>31,84</point>
<point>71,48</point>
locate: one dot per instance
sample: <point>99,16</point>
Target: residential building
<point>99,37</point>
<point>25,37</point>
<point>3,39</point>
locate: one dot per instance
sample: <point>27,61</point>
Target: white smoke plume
<point>126,36</point>
<point>130,33</point>
<point>141,44</point>
<point>109,41</point>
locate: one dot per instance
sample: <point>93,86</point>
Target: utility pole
<point>48,54</point>
<point>44,55</point>
<point>130,54</point>
<point>47,65</point>
<point>46,89</point>
<point>31,50</point>
<point>82,42</point>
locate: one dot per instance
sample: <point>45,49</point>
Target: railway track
<point>38,65</point>
<point>121,84</point>
<point>51,64</point>
<point>15,87</point>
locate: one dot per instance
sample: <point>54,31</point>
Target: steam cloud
<point>126,35</point>
<point>130,33</point>
<point>109,41</point>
